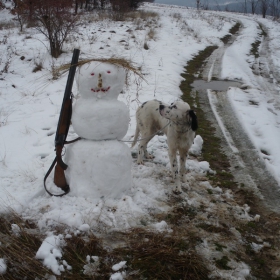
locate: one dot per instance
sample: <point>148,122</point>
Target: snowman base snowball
<point>99,169</point>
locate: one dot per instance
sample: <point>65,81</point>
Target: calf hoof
<point>140,162</point>
<point>177,190</point>
<point>149,156</point>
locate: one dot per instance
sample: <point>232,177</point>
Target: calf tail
<point>135,136</point>
<point>194,123</point>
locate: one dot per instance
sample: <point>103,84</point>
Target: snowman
<point>99,165</point>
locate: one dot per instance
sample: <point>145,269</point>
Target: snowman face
<point>100,80</point>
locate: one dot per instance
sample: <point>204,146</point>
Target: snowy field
<point>30,103</point>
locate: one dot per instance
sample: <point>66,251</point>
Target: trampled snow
<point>30,106</point>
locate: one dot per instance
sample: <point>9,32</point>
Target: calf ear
<point>194,124</point>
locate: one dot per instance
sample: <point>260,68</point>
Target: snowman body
<point>99,165</point>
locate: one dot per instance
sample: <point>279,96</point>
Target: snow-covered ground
<point>31,102</point>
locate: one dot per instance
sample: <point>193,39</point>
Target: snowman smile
<point>100,89</point>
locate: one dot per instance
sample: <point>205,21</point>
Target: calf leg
<point>174,168</point>
<point>142,148</point>
<point>183,158</point>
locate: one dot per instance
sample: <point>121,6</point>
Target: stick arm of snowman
<point>62,131</point>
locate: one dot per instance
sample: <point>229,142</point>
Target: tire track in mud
<point>248,168</point>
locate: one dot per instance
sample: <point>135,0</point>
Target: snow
<point>119,265</point>
<point>29,111</point>
<point>261,120</point>
<point>3,266</point>
<point>94,169</point>
<point>15,229</point>
<point>92,265</point>
<point>51,254</point>
<point>118,276</point>
<point>110,116</point>
<point>161,226</point>
<point>257,107</point>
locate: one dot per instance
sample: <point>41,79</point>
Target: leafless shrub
<point>55,73</point>
<point>138,24</point>
<point>134,15</point>
<point>54,19</point>
<point>7,58</point>
<point>151,34</point>
<point>118,16</point>
<point>4,40</point>
<point>177,16</point>
<point>38,66</point>
<point>147,14</point>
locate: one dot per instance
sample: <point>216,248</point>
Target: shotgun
<point>62,131</point>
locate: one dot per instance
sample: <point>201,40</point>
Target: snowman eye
<point>92,74</point>
<point>108,72</point>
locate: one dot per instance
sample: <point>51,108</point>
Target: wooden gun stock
<point>62,131</point>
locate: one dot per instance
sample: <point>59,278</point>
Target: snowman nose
<point>99,81</point>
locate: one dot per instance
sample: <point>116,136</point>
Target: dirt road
<point>246,165</point>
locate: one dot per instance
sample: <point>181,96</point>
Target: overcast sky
<point>213,3</point>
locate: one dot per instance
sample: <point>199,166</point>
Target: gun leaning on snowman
<point>62,131</point>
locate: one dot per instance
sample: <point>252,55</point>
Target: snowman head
<point>99,80</point>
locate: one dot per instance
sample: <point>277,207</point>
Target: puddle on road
<point>214,85</point>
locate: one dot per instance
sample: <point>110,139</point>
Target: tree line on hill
<point>57,18</point>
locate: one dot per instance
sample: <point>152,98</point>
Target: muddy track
<point>247,167</point>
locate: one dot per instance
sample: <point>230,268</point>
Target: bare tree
<point>55,20</point>
<point>125,5</point>
<point>78,3</point>
<point>253,4</point>
<point>245,6</point>
<point>2,6</point>
<point>134,4</point>
<point>264,5</point>
<point>275,8</point>
<point>119,5</point>
<point>20,9</point>
<point>197,4</point>
<point>205,5</point>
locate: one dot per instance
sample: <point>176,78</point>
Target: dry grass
<point>152,34</point>
<point>161,256</point>
<point>140,14</point>
<point>122,16</point>
<point>149,255</point>
<point>119,62</point>
<point>7,25</point>
<point>19,249</point>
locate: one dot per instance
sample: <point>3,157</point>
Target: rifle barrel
<point>61,132</point>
